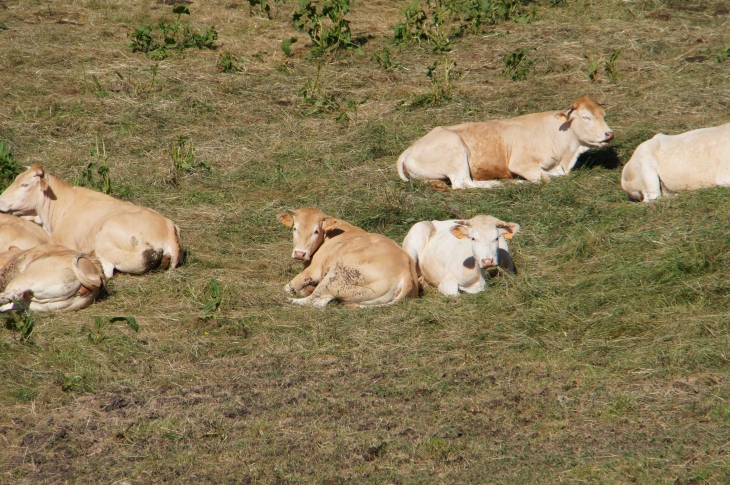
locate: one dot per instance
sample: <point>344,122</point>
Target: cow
<point>692,160</point>
<point>345,262</point>
<point>535,147</point>
<point>457,254</point>
<point>123,236</point>
<point>47,278</point>
<point>20,233</point>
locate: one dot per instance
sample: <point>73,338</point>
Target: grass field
<point>604,360</point>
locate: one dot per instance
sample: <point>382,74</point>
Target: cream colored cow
<point>48,277</point>
<point>534,147</point>
<point>20,233</point>
<point>124,237</point>
<point>692,160</point>
<point>456,255</point>
<point>344,262</point>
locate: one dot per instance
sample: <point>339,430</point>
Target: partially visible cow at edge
<point>457,255</point>
<point>688,161</point>
<point>48,277</point>
<point>123,236</point>
<point>20,233</point>
<point>344,262</point>
<point>535,147</point>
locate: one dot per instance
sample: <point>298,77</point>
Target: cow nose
<point>609,135</point>
<point>299,254</point>
<point>487,262</point>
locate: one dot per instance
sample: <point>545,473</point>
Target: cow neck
<point>53,208</point>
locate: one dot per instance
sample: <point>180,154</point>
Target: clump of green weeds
<point>9,168</point>
<point>609,67</point>
<point>382,57</point>
<point>441,73</point>
<point>215,295</point>
<point>158,40</point>
<point>724,54</point>
<point>438,21</point>
<point>263,6</point>
<point>98,334</point>
<point>325,24</point>
<point>517,64</point>
<point>286,45</point>
<point>313,95</point>
<point>184,160</point>
<point>20,322</point>
<point>227,63</point>
<point>96,175</point>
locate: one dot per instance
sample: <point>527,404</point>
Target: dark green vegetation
<point>604,360</point>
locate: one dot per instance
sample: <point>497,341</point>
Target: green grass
<point>603,360</point>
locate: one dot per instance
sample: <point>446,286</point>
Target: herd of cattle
<point>61,243</point>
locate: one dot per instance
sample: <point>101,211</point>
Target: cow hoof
<point>438,186</point>
<point>288,289</point>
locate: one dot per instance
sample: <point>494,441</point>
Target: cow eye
<point>23,185</point>
<point>587,118</point>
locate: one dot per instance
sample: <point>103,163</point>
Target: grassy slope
<point>605,360</point>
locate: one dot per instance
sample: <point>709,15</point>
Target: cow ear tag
<point>508,235</point>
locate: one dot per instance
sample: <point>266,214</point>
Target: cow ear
<point>329,224</point>
<point>565,115</point>
<point>507,229</point>
<point>460,231</point>
<point>285,218</point>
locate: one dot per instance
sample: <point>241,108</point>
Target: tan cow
<point>534,147</point>
<point>692,160</point>
<point>344,262</point>
<point>20,233</point>
<point>124,237</point>
<point>48,277</point>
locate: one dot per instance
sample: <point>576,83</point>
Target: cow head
<point>309,227</point>
<point>25,195</point>
<point>586,119</point>
<point>484,232</point>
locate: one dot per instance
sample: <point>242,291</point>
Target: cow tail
<point>402,170</point>
<point>177,253</point>
<point>93,282</point>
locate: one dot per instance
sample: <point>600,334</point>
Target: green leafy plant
<point>592,69</point>
<point>20,321</point>
<point>96,174</point>
<point>9,168</point>
<point>158,40</point>
<point>216,297</point>
<point>610,65</point>
<point>382,57</point>
<point>312,95</point>
<point>441,75</point>
<point>724,54</point>
<point>325,24</point>
<point>97,334</point>
<point>184,160</point>
<point>227,63</point>
<point>517,65</point>
<point>286,45</point>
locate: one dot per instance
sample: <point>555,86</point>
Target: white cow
<point>692,160</point>
<point>20,233</point>
<point>455,255</point>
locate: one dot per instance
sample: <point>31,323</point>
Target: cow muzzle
<point>609,136</point>
<point>300,255</point>
<point>487,263</point>
<point>4,206</point>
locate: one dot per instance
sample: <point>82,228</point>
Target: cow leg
<point>528,169</point>
<point>108,267</point>
<point>651,182</point>
<point>304,281</point>
<point>449,286</point>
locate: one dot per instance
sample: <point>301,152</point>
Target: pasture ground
<point>604,360</point>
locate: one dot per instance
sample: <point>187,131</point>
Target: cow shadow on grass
<point>601,157</point>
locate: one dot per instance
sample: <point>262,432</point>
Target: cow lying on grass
<point>47,278</point>
<point>534,147</point>
<point>124,237</point>
<point>346,263</point>
<point>20,233</point>
<point>455,255</point>
<point>692,160</point>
